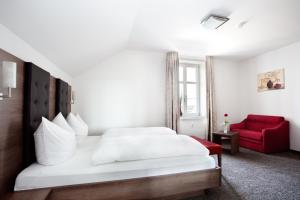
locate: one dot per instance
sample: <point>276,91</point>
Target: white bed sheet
<point>79,169</point>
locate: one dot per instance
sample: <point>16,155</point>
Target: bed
<point>79,170</point>
<point>164,178</point>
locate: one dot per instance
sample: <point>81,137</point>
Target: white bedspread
<point>79,170</point>
<point>138,131</point>
<point>142,147</point>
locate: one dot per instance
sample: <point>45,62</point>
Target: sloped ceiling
<point>78,34</point>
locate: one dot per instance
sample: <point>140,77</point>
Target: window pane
<point>180,73</point>
<point>191,92</point>
<point>191,106</point>
<point>191,74</point>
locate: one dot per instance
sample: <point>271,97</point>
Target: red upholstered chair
<point>212,147</point>
<point>267,134</point>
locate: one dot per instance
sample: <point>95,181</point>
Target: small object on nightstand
<point>226,123</point>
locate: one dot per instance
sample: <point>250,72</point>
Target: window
<point>189,88</point>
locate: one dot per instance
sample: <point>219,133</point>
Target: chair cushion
<point>212,147</point>
<point>248,140</point>
<point>254,135</point>
<point>260,122</point>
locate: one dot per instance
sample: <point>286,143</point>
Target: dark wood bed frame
<point>173,186</point>
<point>47,96</point>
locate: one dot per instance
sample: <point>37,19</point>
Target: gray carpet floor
<point>250,175</point>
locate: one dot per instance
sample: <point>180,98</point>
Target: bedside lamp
<point>73,97</point>
<point>9,77</point>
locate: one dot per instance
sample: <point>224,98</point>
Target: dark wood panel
<point>158,187</point>
<point>29,195</point>
<point>11,123</point>
<point>14,131</point>
<point>52,97</point>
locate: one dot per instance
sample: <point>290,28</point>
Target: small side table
<point>234,138</point>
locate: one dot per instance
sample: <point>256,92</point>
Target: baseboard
<point>294,151</point>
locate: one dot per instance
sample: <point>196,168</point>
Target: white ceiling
<point>78,34</point>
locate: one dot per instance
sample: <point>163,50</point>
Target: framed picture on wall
<point>273,80</point>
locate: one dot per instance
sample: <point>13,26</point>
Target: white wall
<point>284,102</point>
<point>12,44</point>
<point>125,90</point>
<point>226,90</point>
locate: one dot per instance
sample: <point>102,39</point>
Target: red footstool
<point>212,147</point>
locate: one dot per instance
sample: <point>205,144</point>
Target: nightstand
<point>233,137</point>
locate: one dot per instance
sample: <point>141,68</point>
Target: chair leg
<point>220,159</point>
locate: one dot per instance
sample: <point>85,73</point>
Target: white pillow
<point>53,145</point>
<point>83,123</point>
<point>76,125</point>
<point>60,121</point>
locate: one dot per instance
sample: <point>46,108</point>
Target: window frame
<point>192,64</point>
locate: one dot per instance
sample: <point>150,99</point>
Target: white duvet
<point>141,147</point>
<point>138,131</point>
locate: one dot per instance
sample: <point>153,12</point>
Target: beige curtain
<point>210,95</point>
<point>172,91</point>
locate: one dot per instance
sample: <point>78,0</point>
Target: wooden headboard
<point>36,106</point>
<point>62,97</point>
<point>34,97</point>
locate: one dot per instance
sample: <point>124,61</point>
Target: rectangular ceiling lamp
<point>214,21</point>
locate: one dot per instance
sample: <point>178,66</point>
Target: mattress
<point>79,169</point>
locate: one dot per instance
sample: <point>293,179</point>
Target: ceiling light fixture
<point>214,21</point>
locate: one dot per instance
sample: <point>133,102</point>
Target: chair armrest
<point>241,125</point>
<point>282,128</point>
<point>276,139</point>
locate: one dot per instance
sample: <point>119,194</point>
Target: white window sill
<point>191,117</point>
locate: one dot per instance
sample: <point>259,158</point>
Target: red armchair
<point>267,134</point>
